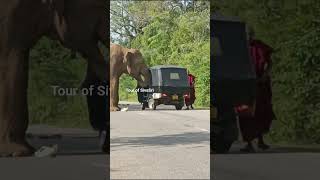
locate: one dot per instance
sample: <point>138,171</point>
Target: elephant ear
<point>128,60</point>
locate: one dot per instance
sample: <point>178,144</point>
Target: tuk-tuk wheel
<point>144,105</point>
<point>221,147</point>
<point>178,107</point>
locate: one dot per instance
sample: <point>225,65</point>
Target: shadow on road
<point>163,140</point>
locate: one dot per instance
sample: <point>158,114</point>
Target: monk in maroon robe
<point>256,126</point>
<point>191,97</point>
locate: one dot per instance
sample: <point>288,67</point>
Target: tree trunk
<point>13,103</point>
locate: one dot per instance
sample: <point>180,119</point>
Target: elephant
<point>125,61</point>
<point>79,25</point>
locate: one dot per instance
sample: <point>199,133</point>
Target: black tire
<point>178,107</point>
<point>222,147</point>
<point>219,145</point>
<point>144,105</point>
<point>226,130</point>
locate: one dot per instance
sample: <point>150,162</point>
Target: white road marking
<point>201,129</point>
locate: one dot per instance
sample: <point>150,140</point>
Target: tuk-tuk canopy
<point>169,75</point>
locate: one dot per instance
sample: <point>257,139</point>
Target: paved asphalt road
<point>278,163</point>
<point>79,157</point>
<point>160,144</point>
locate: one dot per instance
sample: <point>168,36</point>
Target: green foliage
<point>127,82</point>
<point>292,28</point>
<point>52,65</point>
<point>176,33</point>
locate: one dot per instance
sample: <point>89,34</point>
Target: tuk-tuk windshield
<point>175,77</point>
<point>217,50</point>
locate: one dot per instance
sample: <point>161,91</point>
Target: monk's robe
<point>189,100</point>
<point>253,126</point>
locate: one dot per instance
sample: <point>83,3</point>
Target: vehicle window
<point>217,51</point>
<point>174,76</point>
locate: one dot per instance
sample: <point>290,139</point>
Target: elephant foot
<point>12,149</point>
<point>114,108</point>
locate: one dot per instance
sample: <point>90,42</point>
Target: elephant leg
<point>114,94</point>
<point>98,68</point>
<point>98,102</point>
<point>13,104</point>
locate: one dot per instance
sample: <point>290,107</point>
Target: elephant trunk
<point>145,81</point>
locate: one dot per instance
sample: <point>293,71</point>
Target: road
<point>160,144</point>
<point>278,163</point>
<point>79,157</point>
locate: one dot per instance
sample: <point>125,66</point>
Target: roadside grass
<point>292,144</point>
<point>63,112</point>
<point>129,98</point>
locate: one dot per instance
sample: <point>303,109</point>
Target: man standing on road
<point>259,124</point>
